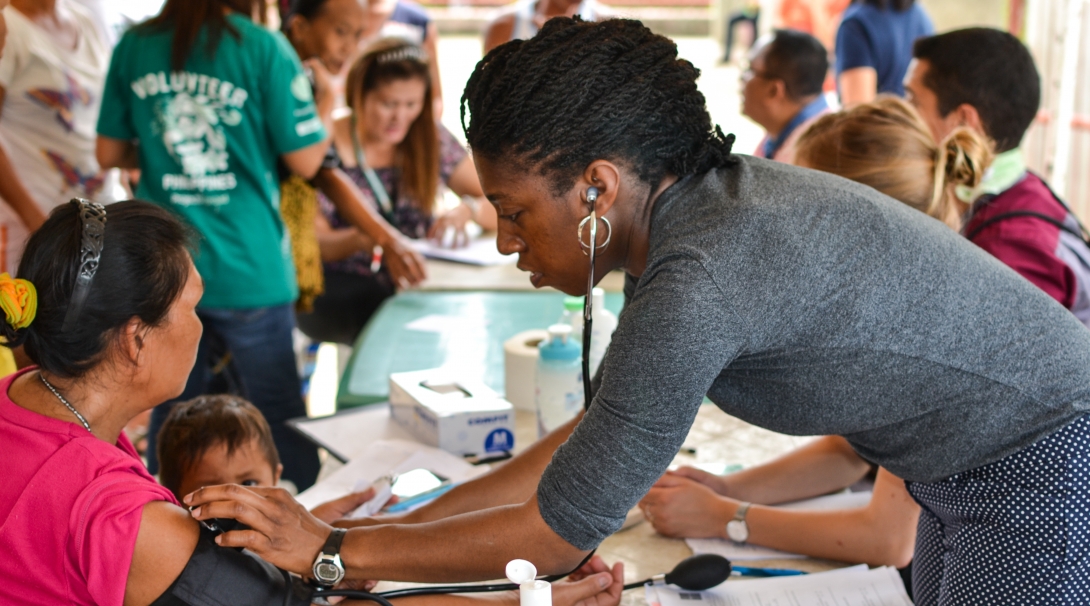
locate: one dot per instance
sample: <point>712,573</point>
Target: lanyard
<point>373,181</point>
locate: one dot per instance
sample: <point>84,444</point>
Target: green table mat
<point>465,331</point>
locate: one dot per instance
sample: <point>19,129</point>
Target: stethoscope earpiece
<point>592,195</point>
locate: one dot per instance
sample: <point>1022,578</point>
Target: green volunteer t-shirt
<point>209,137</point>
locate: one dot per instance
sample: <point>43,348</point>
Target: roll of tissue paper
<point>520,368</point>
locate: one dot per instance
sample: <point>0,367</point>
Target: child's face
<point>247,466</point>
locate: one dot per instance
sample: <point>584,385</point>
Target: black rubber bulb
<point>700,572</point>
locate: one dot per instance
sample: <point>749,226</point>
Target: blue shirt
<point>881,39</point>
<point>815,107</point>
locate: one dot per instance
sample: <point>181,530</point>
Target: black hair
<point>142,271</point>
<point>897,5</point>
<point>307,9</point>
<point>988,69</point>
<point>196,426</point>
<point>580,91</point>
<point>800,60</point>
<point>186,19</point>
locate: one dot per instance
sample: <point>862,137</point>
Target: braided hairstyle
<point>581,91</point>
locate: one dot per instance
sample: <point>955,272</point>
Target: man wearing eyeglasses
<point>782,90</point>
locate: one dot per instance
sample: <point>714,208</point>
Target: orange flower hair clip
<point>19,300</point>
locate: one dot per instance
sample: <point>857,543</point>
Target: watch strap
<point>740,513</point>
<point>332,545</point>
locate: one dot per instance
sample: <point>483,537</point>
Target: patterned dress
<point>408,217</point>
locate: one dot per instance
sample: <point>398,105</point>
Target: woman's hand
<point>455,218</point>
<point>324,99</point>
<point>716,483</point>
<point>282,532</point>
<point>679,507</point>
<point>405,263</point>
<point>334,510</point>
<point>594,584</point>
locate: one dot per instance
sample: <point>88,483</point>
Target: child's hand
<point>595,584</point>
<point>336,509</point>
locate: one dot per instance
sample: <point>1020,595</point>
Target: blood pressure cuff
<point>222,576</point>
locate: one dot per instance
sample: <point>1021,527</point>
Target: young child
<point>223,439</point>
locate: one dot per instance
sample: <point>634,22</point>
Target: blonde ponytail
<point>886,145</point>
<point>961,159</point>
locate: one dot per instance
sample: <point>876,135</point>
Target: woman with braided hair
<point>795,300</point>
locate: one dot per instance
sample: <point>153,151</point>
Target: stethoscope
<point>696,573</point>
<point>588,303</point>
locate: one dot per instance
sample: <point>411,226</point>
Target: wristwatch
<point>737,529</point>
<point>328,569</point>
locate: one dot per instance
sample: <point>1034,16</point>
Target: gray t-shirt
<point>808,304</point>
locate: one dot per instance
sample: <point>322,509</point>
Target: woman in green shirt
<point>204,101</point>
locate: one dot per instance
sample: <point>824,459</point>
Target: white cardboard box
<point>459,415</point>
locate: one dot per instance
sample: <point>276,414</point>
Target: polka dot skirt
<point>1016,531</point>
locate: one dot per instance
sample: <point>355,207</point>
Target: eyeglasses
<point>750,73</point>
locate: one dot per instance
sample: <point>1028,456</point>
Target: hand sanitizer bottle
<point>602,332</point>
<point>559,379</point>
<point>573,316</point>
<point>531,591</point>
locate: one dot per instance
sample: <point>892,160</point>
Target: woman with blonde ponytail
<point>885,144</point>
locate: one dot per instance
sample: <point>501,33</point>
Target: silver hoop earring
<point>609,233</point>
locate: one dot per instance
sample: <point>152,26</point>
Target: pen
<point>746,571</point>
<point>376,259</point>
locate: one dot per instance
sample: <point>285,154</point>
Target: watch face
<point>327,572</point>
<point>737,531</point>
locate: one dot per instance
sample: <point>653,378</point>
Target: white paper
<point>651,595</point>
<point>480,251</point>
<point>855,586</point>
<point>738,552</point>
<point>384,457</point>
<point>350,433</point>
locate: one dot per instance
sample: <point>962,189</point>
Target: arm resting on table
<point>823,466</point>
<point>881,533</point>
<point>508,484</point>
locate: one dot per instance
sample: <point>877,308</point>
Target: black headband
<point>92,218</point>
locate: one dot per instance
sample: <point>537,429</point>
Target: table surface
<point>468,333</point>
<point>717,438</point>
<point>465,332</point>
<point>448,276</point>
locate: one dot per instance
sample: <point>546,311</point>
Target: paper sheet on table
<point>383,457</point>
<point>480,251</point>
<point>347,434</point>
<point>855,586</point>
<point>736,552</point>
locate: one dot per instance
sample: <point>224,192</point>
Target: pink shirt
<point>70,507</point>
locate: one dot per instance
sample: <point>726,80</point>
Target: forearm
<point>857,85</point>
<point>339,244</point>
<point>846,535</point>
<point>511,483</point>
<point>16,195</point>
<point>821,467</point>
<point>470,547</point>
<point>116,153</point>
<point>881,534</point>
<point>350,204</point>
<point>505,598</point>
